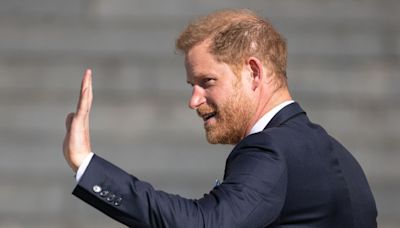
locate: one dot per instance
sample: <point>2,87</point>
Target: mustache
<point>205,109</point>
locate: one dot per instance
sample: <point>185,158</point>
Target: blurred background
<point>343,68</point>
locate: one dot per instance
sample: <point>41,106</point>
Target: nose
<point>197,97</point>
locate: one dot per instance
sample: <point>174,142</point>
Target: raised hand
<point>76,144</point>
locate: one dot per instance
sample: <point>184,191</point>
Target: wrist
<point>83,166</point>
<point>77,161</point>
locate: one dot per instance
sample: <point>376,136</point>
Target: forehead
<point>199,62</point>
<point>198,57</point>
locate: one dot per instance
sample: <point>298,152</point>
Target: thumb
<point>68,121</point>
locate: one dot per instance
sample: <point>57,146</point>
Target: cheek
<point>214,97</point>
<point>221,95</point>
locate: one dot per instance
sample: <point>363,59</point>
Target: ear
<point>256,70</point>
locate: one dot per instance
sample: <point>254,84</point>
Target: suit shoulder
<point>265,142</point>
<point>272,137</point>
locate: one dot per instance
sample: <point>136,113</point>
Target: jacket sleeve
<point>251,195</point>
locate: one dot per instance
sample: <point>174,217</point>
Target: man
<point>284,171</point>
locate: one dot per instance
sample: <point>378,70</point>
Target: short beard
<point>232,119</point>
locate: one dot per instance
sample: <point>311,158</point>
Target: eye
<point>209,82</point>
<point>190,84</point>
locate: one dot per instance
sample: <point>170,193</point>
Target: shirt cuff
<point>83,166</point>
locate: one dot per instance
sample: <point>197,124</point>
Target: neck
<point>267,103</point>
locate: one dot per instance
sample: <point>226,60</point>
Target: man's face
<point>220,97</point>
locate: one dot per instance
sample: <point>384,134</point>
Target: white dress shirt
<point>258,127</point>
<point>263,121</point>
<point>83,166</point>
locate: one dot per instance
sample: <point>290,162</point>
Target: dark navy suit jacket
<point>292,175</point>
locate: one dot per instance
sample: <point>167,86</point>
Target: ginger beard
<point>231,118</point>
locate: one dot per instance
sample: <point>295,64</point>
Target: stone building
<point>344,68</point>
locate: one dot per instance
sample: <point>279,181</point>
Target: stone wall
<point>344,69</point>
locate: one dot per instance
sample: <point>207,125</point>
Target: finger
<point>81,90</point>
<point>90,92</point>
<point>83,102</point>
<point>68,121</point>
<point>83,87</point>
<point>89,101</point>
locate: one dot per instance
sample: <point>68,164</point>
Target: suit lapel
<point>285,114</point>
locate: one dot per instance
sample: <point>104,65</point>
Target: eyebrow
<point>198,77</point>
<point>194,79</point>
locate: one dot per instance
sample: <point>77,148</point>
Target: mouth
<point>208,116</point>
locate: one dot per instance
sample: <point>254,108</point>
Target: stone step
<point>45,199</point>
<point>79,37</point>
<point>338,10</point>
<point>370,79</point>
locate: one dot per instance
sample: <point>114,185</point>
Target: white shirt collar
<point>263,121</point>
